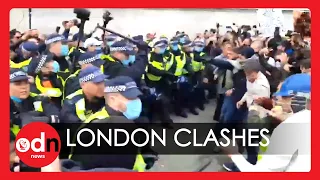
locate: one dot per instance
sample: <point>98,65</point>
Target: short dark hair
<point>306,63</point>
<point>252,65</point>
<point>227,42</point>
<point>13,32</point>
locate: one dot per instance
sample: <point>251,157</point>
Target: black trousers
<point>217,112</point>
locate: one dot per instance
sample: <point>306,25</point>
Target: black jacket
<point>71,85</point>
<point>275,77</point>
<point>56,83</point>
<point>107,160</point>
<point>68,110</point>
<point>135,71</point>
<point>26,107</point>
<point>239,85</point>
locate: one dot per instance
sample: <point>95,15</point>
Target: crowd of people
<point>75,78</point>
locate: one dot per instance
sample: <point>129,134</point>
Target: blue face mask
<point>56,67</point>
<point>64,50</point>
<point>15,99</point>
<point>134,108</point>
<point>182,40</point>
<point>174,47</point>
<point>198,49</point>
<point>132,58</point>
<point>162,50</point>
<point>126,62</point>
<point>109,43</point>
<point>98,50</point>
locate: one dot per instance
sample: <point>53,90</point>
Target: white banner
<point>269,19</point>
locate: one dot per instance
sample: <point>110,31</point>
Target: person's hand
<point>259,100</point>
<point>278,113</point>
<point>267,72</point>
<point>34,33</point>
<point>31,79</point>
<point>16,168</point>
<point>205,80</point>
<point>229,92</point>
<point>264,51</point>
<point>287,67</point>
<point>26,35</point>
<point>53,167</point>
<point>239,104</point>
<point>143,46</point>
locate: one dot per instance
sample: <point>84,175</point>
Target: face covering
<point>162,50</point>
<point>175,47</point>
<point>132,58</point>
<point>15,99</point>
<point>198,49</point>
<point>98,50</point>
<point>109,43</point>
<point>56,67</point>
<point>126,62</point>
<point>134,108</point>
<point>64,50</point>
<point>182,40</point>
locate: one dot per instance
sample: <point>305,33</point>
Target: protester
<point>291,138</point>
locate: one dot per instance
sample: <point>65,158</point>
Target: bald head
<point>257,45</point>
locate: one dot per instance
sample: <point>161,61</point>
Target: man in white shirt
<point>257,87</point>
<point>257,84</point>
<point>289,149</point>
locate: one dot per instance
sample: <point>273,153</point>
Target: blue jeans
<point>230,113</point>
<point>228,109</point>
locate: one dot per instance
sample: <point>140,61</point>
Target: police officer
<point>85,60</point>
<point>93,45</point>
<point>182,38</point>
<point>110,39</point>
<point>158,77</point>
<point>166,41</point>
<point>121,55</point>
<point>122,105</point>
<point>197,78</point>
<point>22,101</point>
<point>56,44</point>
<point>46,82</point>
<point>179,92</point>
<point>187,48</point>
<point>25,53</point>
<point>87,100</point>
<point>138,38</point>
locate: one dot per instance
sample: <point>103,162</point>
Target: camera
<point>82,14</point>
<point>107,16</point>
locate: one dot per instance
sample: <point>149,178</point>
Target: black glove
<point>145,90</point>
<point>206,58</point>
<point>170,76</point>
<point>143,46</point>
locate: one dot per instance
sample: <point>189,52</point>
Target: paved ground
<point>192,163</point>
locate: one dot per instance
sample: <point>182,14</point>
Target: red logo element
<point>37,144</point>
